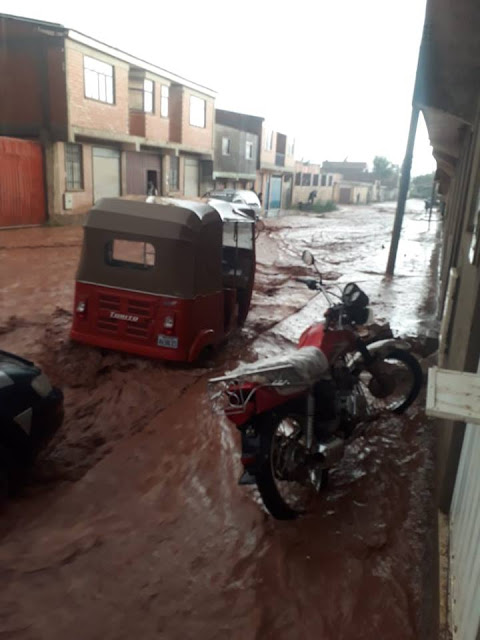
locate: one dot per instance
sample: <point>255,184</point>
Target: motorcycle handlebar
<point>310,282</point>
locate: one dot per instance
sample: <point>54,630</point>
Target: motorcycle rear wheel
<point>285,499</point>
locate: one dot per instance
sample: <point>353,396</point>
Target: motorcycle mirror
<point>308,258</point>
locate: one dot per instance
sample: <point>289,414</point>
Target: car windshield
<point>226,197</point>
<point>249,197</point>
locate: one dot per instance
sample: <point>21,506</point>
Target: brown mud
<point>133,524</point>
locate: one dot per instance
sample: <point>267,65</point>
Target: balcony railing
<point>280,159</point>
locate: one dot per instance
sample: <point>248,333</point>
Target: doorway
<point>151,188</point>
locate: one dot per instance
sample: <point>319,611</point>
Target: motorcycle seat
<point>297,368</point>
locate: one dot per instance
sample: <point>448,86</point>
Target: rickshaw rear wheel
<point>206,356</point>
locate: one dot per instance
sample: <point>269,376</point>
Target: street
<point>133,524</point>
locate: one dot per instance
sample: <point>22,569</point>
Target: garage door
<point>345,196</point>
<point>191,179</point>
<point>22,195</point>
<point>106,173</point>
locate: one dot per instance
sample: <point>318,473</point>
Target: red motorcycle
<point>296,412</point>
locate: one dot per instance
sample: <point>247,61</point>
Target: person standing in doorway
<point>151,189</point>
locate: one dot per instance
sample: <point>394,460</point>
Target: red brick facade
<point>32,82</point>
<point>42,71</point>
<point>157,128</point>
<point>197,137</point>
<point>93,114</point>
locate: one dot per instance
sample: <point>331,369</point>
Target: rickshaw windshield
<point>238,235</point>
<point>238,256</point>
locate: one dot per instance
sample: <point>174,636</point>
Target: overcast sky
<point>338,75</point>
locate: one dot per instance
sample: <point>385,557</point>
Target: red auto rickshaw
<point>165,278</point>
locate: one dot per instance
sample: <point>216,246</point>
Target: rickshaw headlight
<point>81,308</point>
<point>169,322</point>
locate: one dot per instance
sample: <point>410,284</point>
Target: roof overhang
<point>447,86</point>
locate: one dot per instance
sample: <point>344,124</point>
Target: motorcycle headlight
<point>42,385</point>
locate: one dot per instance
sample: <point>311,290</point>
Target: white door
<point>465,540</point>
<point>455,395</point>
<point>191,177</point>
<point>106,173</point>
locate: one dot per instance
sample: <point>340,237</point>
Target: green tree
<point>385,171</point>
<point>421,186</point>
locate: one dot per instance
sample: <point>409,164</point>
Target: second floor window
<point>225,146</point>
<point>330,180</point>
<point>140,94</point>
<point>269,141</point>
<point>298,179</point>
<point>306,179</point>
<point>197,112</point>
<point>148,96</point>
<point>324,180</point>
<point>73,167</point>
<point>174,164</point>
<point>249,150</point>
<point>98,77</point>
<point>315,180</point>
<point>164,97</point>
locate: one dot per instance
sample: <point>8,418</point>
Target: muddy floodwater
<point>132,524</point>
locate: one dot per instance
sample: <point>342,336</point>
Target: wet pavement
<point>133,524</point>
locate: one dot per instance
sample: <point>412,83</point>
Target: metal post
<point>432,198</point>
<point>403,191</point>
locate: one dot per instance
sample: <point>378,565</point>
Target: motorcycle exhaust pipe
<point>331,451</point>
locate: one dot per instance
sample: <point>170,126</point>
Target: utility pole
<point>403,191</point>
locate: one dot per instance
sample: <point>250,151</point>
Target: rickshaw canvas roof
<point>228,212</point>
<point>165,218</point>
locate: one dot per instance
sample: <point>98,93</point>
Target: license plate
<point>167,341</point>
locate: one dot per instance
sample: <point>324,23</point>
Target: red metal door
<point>22,192</point>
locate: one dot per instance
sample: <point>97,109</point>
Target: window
<point>164,96</point>
<point>315,180</point>
<point>148,96</point>
<point>140,94</point>
<point>306,179</point>
<point>98,77</point>
<point>174,164</point>
<point>330,180</point>
<point>197,112</point>
<point>298,179</point>
<point>249,150</point>
<point>268,141</point>
<point>225,146</point>
<point>324,180</point>
<point>131,254</point>
<point>73,167</point>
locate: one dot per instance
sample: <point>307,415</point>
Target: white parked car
<point>239,197</point>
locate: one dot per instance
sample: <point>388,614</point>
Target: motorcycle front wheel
<point>392,383</point>
<point>283,479</point>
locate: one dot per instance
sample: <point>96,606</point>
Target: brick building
<point>275,169</point>
<point>109,123</point>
